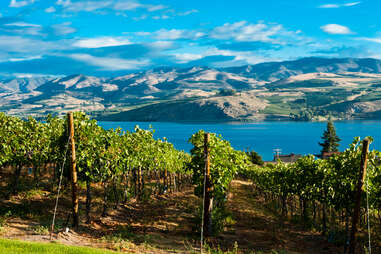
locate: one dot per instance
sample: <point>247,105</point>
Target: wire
<point>59,189</point>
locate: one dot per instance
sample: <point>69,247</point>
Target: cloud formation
<point>244,31</point>
<point>175,34</point>
<point>63,28</point>
<point>100,42</point>
<point>109,63</point>
<point>331,6</point>
<point>336,29</point>
<point>50,9</point>
<point>72,36</point>
<point>118,5</point>
<point>376,40</point>
<point>18,4</point>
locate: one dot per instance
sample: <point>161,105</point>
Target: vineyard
<point>119,170</point>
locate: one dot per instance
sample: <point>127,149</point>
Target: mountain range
<point>305,89</point>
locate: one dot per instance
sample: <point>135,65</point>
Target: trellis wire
<point>59,189</point>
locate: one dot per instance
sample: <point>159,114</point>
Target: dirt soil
<point>166,225</point>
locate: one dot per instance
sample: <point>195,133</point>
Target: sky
<point>115,37</point>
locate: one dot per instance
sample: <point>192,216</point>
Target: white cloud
<point>377,40</point>
<point>175,34</point>
<point>118,5</point>
<point>100,42</point>
<point>63,3</point>
<point>127,5</point>
<point>50,9</point>
<point>239,31</point>
<point>186,13</point>
<point>328,6</point>
<point>133,5</point>
<point>172,34</point>
<point>110,63</point>
<point>22,24</point>
<point>88,6</point>
<point>24,45</point>
<point>240,57</point>
<point>142,33</point>
<point>142,17</point>
<point>352,4</point>
<point>17,4</point>
<point>331,6</point>
<point>336,29</point>
<point>243,56</point>
<point>156,7</point>
<point>20,59</point>
<point>63,28</point>
<point>23,28</point>
<point>34,75</point>
<point>244,31</point>
<point>161,45</point>
<point>161,17</point>
<point>186,57</point>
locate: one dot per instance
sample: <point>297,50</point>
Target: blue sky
<point>113,37</point>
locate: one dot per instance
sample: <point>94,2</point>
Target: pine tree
<point>330,139</point>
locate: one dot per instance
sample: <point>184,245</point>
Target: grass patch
<point>21,247</point>
<point>40,230</point>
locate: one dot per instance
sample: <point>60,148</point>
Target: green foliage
<point>254,157</point>
<point>330,181</point>
<point>40,230</point>
<point>225,162</point>
<point>330,139</point>
<point>226,92</point>
<point>102,156</point>
<point>22,247</point>
<point>304,115</point>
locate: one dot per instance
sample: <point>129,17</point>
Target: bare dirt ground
<point>164,225</point>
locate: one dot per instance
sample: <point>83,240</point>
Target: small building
<point>287,158</point>
<point>326,155</point>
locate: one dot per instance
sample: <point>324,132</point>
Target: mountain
<point>304,89</point>
<point>273,71</point>
<point>23,85</point>
<point>245,106</point>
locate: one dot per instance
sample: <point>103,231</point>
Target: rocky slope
<point>305,89</point>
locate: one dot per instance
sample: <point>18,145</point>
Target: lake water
<point>263,137</point>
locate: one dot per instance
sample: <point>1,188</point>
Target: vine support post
<point>208,199</point>
<point>356,212</point>
<point>73,170</point>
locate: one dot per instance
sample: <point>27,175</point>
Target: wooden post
<point>73,170</point>
<point>166,178</point>
<point>356,213</point>
<point>208,200</point>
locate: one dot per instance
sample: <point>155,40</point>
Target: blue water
<point>263,137</point>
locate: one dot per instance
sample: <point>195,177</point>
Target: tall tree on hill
<point>330,139</point>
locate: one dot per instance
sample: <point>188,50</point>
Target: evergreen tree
<point>330,139</point>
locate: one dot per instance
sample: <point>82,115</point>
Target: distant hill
<point>273,71</point>
<point>305,89</point>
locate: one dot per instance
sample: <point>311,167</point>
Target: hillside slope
<point>304,89</point>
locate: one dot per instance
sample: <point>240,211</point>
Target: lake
<point>263,137</point>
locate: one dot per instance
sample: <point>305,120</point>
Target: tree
<point>254,157</point>
<point>330,139</point>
